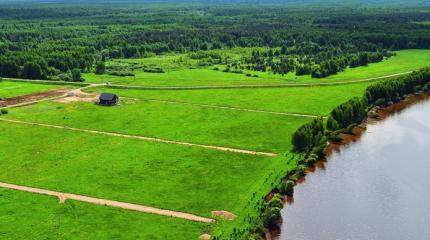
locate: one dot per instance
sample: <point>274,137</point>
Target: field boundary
<point>225,107</point>
<point>111,203</point>
<point>149,139</point>
<point>283,85</point>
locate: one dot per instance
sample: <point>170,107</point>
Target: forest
<point>58,42</point>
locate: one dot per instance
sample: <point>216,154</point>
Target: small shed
<point>108,99</point>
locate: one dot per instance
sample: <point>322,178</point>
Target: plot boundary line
<point>226,107</point>
<point>149,139</point>
<point>282,85</point>
<point>111,203</point>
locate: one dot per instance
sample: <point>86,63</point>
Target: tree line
<point>312,137</point>
<point>307,42</point>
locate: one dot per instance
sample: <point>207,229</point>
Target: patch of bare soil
<point>224,215</point>
<point>30,98</point>
<point>205,237</point>
<point>78,96</point>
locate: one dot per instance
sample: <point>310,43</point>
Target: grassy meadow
<point>42,216</point>
<point>10,89</point>
<point>183,71</point>
<point>160,175</point>
<point>307,100</point>
<point>174,177</point>
<point>219,127</point>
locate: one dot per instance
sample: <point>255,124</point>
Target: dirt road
<point>151,139</point>
<point>105,202</point>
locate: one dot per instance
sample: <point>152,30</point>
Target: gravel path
<point>104,202</point>
<point>151,139</point>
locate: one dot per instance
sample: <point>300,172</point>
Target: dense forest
<point>59,41</point>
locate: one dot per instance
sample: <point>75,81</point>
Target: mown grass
<point>308,100</point>
<point>42,217</point>
<point>10,89</point>
<point>219,127</point>
<point>406,60</point>
<point>166,176</point>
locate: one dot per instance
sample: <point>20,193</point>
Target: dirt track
<point>151,139</point>
<point>282,85</point>
<point>129,206</point>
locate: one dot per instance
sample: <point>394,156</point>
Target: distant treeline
<point>320,41</point>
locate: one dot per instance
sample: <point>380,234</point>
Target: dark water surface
<point>376,188</point>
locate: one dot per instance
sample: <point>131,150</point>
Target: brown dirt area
<point>78,96</point>
<point>224,215</point>
<point>29,98</point>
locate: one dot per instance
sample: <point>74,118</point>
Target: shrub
<point>153,70</point>
<point>334,137</point>
<point>4,111</point>
<point>124,73</point>
<point>320,150</point>
<point>310,161</point>
<point>216,68</point>
<point>301,170</point>
<point>100,68</point>
<point>76,75</point>
<point>249,75</point>
<point>287,188</point>
<point>380,102</point>
<point>275,202</point>
<point>271,217</point>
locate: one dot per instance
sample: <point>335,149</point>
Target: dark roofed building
<point>108,99</point>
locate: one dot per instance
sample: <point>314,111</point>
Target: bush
<point>4,111</point>
<point>287,188</point>
<point>153,70</point>
<point>123,73</point>
<point>380,102</point>
<point>275,202</point>
<point>100,68</point>
<point>248,75</point>
<point>271,217</point>
<point>216,68</point>
<point>301,170</point>
<point>76,75</point>
<point>334,137</point>
<point>310,161</point>
<point>320,150</point>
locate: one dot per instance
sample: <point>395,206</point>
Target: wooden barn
<point>108,99</point>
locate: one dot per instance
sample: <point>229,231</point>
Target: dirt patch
<point>205,236</point>
<point>78,96</point>
<point>30,98</point>
<point>224,215</point>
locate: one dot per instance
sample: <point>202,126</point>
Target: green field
<point>166,176</point>
<point>226,128</point>
<point>169,176</point>
<point>10,89</point>
<point>209,103</point>
<point>404,61</point>
<point>42,216</point>
<point>318,100</point>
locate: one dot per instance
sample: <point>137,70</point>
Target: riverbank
<point>375,115</point>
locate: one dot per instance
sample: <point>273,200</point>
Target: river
<point>376,188</point>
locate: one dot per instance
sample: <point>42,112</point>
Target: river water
<point>376,188</point>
